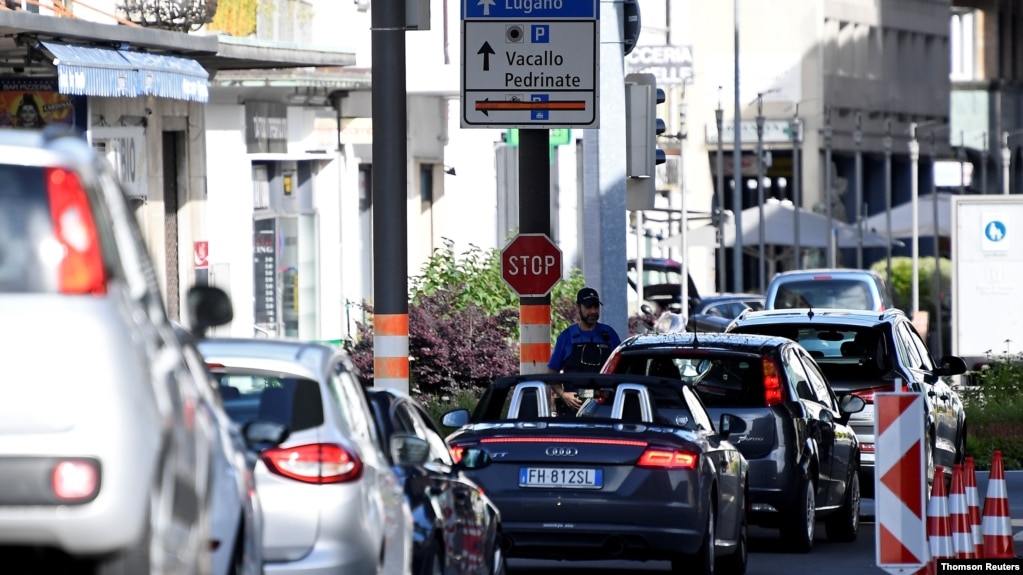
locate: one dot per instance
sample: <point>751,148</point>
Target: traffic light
<point>642,127</point>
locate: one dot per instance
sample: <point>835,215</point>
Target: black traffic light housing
<point>642,127</point>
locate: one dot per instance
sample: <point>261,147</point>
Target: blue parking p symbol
<point>539,114</point>
<point>540,33</point>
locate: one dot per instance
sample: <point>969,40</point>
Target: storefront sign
<point>264,258</point>
<point>266,127</point>
<point>35,103</point>
<point>125,149</point>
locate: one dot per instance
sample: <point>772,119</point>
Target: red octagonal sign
<point>531,264</point>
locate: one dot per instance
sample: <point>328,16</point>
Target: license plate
<point>561,477</point>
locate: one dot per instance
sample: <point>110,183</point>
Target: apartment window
<point>962,39</point>
<point>426,183</point>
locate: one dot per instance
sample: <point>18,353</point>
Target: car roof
<point>734,342</point>
<point>835,272</point>
<point>309,358</point>
<point>815,315</point>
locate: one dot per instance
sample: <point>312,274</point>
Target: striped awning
<point>97,71</point>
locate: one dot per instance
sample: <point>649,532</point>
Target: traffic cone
<point>959,513</point>
<point>939,524</point>
<point>973,502</point>
<point>996,524</point>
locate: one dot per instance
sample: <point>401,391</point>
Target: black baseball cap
<point>588,297</point>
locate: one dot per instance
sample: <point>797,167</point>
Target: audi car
<point>638,472</point>
<point>802,452</point>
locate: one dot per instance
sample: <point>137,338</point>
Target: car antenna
<point>696,340</point>
<point>809,313</point>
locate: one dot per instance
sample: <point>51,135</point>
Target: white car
<point>236,520</point>
<point>331,502</point>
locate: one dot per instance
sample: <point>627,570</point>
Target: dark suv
<point>802,456</point>
<point>864,352</point>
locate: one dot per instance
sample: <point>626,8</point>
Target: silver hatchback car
<point>105,450</point>
<point>331,503</point>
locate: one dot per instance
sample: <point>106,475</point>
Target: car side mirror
<point>730,424</point>
<point>474,458</point>
<point>950,365</point>
<point>407,449</point>
<point>456,418</point>
<point>208,306</point>
<point>849,404</point>
<point>261,434</point>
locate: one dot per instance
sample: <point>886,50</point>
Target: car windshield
<point>294,402</point>
<point>830,293</point>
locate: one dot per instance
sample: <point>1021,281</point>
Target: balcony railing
<point>176,15</point>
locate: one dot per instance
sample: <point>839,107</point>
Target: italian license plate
<point>561,477</point>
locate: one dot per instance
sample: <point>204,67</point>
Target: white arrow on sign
<point>486,6</point>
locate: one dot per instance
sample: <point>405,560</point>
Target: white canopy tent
<point>902,218</point>
<point>780,218</point>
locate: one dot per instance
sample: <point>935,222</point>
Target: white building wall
<point>229,208</point>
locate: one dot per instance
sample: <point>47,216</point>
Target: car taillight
<point>81,267</point>
<point>317,463</point>
<point>867,395</point>
<point>667,459</point>
<point>75,480</point>
<point>612,363</point>
<point>773,393</point>
<point>457,451</point>
<point>867,447</point>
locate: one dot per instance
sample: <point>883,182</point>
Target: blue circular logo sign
<point>994,231</point>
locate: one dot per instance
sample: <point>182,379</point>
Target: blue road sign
<point>529,9</point>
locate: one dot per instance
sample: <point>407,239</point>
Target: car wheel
<point>735,562</point>
<point>844,524</point>
<point>798,529</point>
<point>702,563</point>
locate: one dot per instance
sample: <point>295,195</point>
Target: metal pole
<point>762,273</point>
<point>684,221</point>
<point>858,142</point>
<point>888,194</point>
<point>961,156</point>
<point>1006,159</point>
<point>937,253</point>
<point>534,218</point>
<point>719,211</point>
<point>827,187</point>
<point>983,167</point>
<point>797,174</point>
<point>914,183</point>
<point>390,187</point>
<point>737,283</point>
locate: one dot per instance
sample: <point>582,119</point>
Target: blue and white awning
<point>96,71</point>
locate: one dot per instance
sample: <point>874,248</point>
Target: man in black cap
<point>583,346</point>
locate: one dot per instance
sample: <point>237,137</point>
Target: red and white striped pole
<point>534,337</point>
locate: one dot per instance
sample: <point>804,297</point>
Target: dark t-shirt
<point>577,350</point>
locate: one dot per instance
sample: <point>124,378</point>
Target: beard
<point>590,319</point>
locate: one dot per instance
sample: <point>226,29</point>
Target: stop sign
<point>531,264</point>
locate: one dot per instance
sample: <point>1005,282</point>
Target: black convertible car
<point>639,472</point>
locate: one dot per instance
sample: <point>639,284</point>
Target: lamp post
<point>795,127</point>
<point>914,183</point>
<point>858,142</point>
<point>1006,158</point>
<point>760,192</point>
<point>937,252</point>
<point>888,193</point>
<point>719,212</point>
<point>737,165</point>
<point>983,166</point>
<point>827,187</point>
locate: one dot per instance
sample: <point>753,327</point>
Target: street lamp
<point>858,142</point>
<point>762,272</point>
<point>795,128</point>
<point>737,165</point>
<point>719,213</point>
<point>827,187</point>
<point>888,192</point>
<point>914,183</point>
